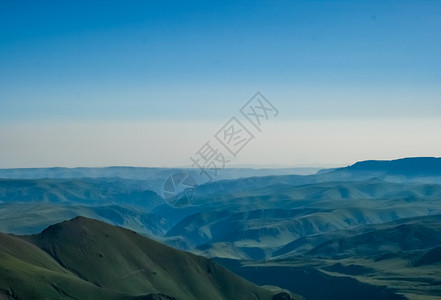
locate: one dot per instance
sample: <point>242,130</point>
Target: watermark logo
<point>216,153</point>
<point>180,189</point>
<point>257,110</point>
<point>233,136</point>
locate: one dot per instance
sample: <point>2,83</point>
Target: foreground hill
<point>88,259</point>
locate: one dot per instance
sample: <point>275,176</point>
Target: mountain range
<point>370,230</point>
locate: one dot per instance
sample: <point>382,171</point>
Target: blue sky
<point>196,62</point>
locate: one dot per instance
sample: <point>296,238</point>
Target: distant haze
<point>147,83</point>
<point>281,144</point>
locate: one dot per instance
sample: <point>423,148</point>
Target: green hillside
<point>88,259</point>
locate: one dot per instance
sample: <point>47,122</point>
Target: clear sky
<point>147,83</point>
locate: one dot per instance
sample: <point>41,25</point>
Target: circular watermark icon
<point>180,189</point>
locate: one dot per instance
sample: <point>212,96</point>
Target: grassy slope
<point>28,272</point>
<point>88,259</point>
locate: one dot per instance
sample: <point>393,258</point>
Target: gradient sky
<point>147,83</point>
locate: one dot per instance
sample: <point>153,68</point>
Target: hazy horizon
<point>148,83</point>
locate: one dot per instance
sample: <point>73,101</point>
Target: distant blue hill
<point>414,166</point>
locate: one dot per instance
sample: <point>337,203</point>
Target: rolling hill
<point>88,259</point>
<point>395,260</point>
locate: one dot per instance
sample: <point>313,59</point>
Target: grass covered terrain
<point>88,259</point>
